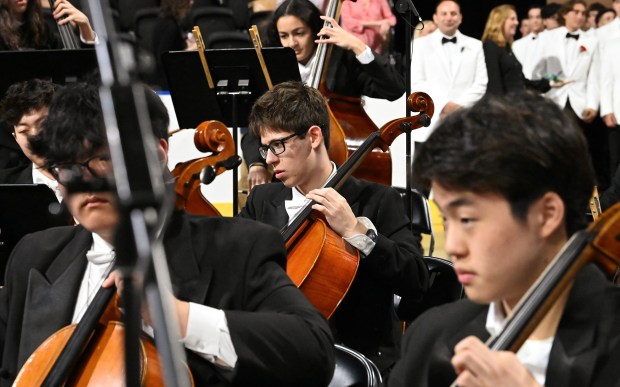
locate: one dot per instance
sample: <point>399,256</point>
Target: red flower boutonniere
<point>582,49</point>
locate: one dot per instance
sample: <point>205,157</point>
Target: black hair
<point>24,97</point>
<point>550,10</point>
<point>74,127</point>
<point>518,146</point>
<point>290,107</point>
<point>305,10</point>
<point>600,14</point>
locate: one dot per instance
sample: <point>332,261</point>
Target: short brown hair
<point>290,107</point>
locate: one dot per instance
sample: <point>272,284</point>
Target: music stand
<point>58,66</point>
<point>238,80</point>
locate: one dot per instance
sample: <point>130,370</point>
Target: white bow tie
<point>100,258</point>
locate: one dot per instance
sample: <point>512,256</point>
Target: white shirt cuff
<point>208,335</point>
<point>360,241</point>
<point>366,56</point>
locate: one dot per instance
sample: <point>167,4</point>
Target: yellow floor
<point>438,233</point>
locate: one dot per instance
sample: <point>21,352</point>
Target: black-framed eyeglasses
<point>98,166</point>
<point>276,146</point>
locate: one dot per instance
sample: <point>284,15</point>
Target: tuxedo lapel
<point>50,296</point>
<point>274,211</point>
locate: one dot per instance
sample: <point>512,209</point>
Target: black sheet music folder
<point>26,208</point>
<point>193,100</point>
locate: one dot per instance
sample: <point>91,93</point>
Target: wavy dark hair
<point>305,10</point>
<point>34,33</point>
<point>518,146</point>
<point>24,97</point>
<point>74,127</point>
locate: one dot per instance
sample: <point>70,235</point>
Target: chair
<point>228,39</point>
<point>260,17</point>
<point>241,12</point>
<point>444,286</point>
<point>128,9</point>
<point>145,22</point>
<point>354,369</point>
<point>212,19</point>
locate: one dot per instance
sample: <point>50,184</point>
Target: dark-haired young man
<point>510,199</point>
<point>242,320</point>
<point>23,108</point>
<point>293,125</point>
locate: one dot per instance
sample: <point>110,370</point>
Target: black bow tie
<point>574,36</point>
<point>445,40</point>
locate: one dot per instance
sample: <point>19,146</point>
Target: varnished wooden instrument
<point>349,122</point>
<point>210,136</point>
<point>319,261</point>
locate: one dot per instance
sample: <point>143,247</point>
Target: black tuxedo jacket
<point>588,334</point>
<point>17,175</point>
<point>230,264</point>
<point>365,320</point>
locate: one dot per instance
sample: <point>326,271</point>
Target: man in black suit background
<point>293,126</point>
<point>242,320</point>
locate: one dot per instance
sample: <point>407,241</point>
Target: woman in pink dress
<point>369,20</point>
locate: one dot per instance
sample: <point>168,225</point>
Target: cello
<point>210,136</point>
<point>319,262</point>
<point>598,244</point>
<point>87,353</point>
<point>349,122</point>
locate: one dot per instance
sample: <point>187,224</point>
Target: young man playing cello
<point>512,179</point>
<point>293,125</point>
<point>242,320</point>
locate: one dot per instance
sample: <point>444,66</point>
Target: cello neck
<point>335,182</point>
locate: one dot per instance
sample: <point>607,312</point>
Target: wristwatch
<point>370,233</point>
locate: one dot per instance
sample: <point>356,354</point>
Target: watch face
<point>371,234</point>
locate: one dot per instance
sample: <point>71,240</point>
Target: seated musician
<point>512,179</point>
<point>293,125</point>
<point>242,320</point>
<point>23,108</point>
<point>354,69</point>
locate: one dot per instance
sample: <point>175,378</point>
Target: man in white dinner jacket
<point>526,49</point>
<point>610,97</point>
<point>448,65</point>
<point>568,54</point>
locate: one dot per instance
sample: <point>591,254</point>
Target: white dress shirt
<point>39,178</point>
<point>207,334</point>
<point>533,354</point>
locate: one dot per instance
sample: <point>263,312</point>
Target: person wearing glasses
<point>293,126</point>
<point>242,321</point>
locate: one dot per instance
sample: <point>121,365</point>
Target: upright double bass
<point>350,125</point>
